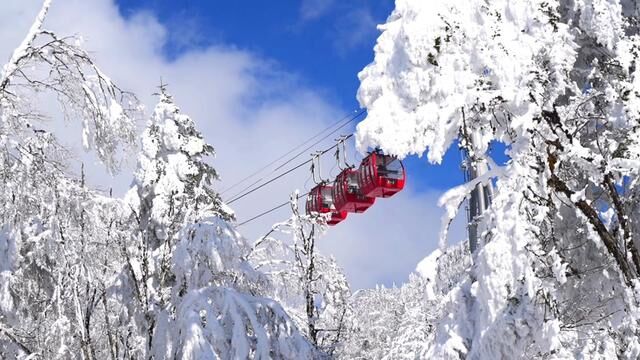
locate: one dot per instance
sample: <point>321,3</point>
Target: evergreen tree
<point>173,180</point>
<point>199,298</point>
<point>160,274</point>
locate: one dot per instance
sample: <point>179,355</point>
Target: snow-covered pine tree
<point>197,296</point>
<point>171,189</point>
<point>311,287</point>
<point>173,180</point>
<point>558,83</point>
<point>53,233</point>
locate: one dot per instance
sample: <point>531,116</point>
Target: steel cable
<point>347,117</point>
<point>282,174</point>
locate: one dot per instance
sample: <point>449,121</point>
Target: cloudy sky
<point>258,77</point>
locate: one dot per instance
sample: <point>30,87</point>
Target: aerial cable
<point>266,183</point>
<point>269,211</point>
<point>247,187</point>
<point>297,155</point>
<point>347,117</point>
<point>354,117</point>
<point>264,213</point>
<point>319,153</point>
<point>287,153</point>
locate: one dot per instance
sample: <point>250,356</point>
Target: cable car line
<point>296,156</point>
<point>354,117</point>
<point>320,153</point>
<point>352,191</point>
<point>269,211</point>
<point>267,183</point>
<point>282,156</point>
<point>347,117</point>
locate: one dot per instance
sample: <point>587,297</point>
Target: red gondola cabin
<point>381,175</point>
<point>320,201</point>
<point>347,195</point>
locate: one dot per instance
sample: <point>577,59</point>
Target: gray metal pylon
<point>480,199</point>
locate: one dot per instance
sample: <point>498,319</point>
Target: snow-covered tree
<point>196,295</point>
<point>311,287</point>
<point>171,190</point>
<point>173,180</point>
<point>556,275</point>
<point>53,237</point>
<point>217,308</point>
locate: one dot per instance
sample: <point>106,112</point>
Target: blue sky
<point>257,77</point>
<point>325,43</point>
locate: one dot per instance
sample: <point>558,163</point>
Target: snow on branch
<point>47,62</point>
<point>256,327</point>
<point>23,49</point>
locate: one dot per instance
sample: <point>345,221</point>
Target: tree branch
<point>593,218</point>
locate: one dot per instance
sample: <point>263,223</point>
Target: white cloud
<point>354,25</point>
<point>353,29</point>
<point>252,112</point>
<point>313,9</point>
<point>386,243</point>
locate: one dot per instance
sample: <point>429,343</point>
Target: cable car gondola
<point>381,175</point>
<point>347,195</point>
<point>320,200</point>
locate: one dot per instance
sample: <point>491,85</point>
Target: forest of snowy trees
<point>163,273</point>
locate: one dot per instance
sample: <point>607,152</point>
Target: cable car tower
<point>481,196</point>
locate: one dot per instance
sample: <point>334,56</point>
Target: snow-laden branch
<point>22,50</point>
<point>47,62</point>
